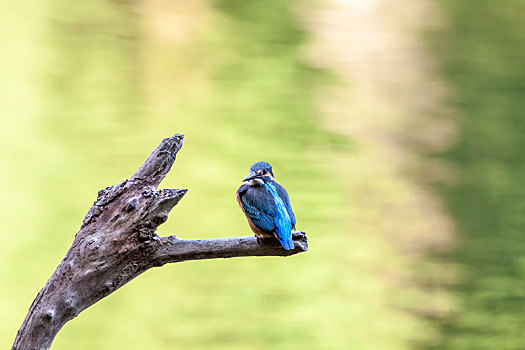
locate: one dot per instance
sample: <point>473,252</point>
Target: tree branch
<point>173,249</point>
<point>117,242</point>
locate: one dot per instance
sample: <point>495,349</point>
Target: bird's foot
<point>267,240</point>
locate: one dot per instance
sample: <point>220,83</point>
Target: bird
<point>266,205</point>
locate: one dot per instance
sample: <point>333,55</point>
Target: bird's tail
<point>288,244</point>
<point>285,239</point>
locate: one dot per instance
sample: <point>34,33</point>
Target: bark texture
<point>117,242</point>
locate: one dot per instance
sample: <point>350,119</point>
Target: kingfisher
<point>266,205</point>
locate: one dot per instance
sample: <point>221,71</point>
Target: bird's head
<point>260,173</point>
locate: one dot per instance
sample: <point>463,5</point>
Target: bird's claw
<point>267,240</point>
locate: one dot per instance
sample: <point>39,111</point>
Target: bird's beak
<point>252,175</point>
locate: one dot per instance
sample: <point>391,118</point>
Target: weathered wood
<point>117,242</point>
<point>173,249</point>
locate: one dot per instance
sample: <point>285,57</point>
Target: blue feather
<point>282,220</point>
<point>258,205</point>
<point>286,200</point>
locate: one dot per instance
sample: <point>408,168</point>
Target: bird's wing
<point>286,200</point>
<point>259,206</point>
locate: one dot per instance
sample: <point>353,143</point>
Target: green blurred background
<point>396,126</point>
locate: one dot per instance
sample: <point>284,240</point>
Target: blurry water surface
<point>483,58</point>
<point>90,88</point>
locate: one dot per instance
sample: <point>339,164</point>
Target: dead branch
<point>117,242</point>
